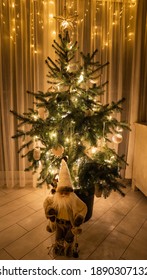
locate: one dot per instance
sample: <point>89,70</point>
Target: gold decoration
<point>66,21</point>
<point>58,151</point>
<point>66,25</point>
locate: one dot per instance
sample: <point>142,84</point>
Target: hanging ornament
<point>94,80</point>
<point>51,89</point>
<point>117,138</point>
<point>36,153</point>
<point>58,151</point>
<point>43,113</point>
<point>119,129</point>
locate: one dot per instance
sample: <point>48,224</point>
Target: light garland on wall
<point>38,18</point>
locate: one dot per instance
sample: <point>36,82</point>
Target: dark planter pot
<point>88,200</point>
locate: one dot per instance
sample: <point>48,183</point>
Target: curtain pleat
<point>137,110</point>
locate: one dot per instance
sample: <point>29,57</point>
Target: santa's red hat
<point>64,182</point>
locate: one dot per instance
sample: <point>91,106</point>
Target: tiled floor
<point>117,229</point>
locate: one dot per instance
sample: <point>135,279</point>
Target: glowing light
<point>36,137</point>
<point>93,150</point>
<point>109,118</point>
<point>108,160</point>
<point>47,155</point>
<point>81,78</point>
<point>53,135</point>
<point>51,16</point>
<point>67,140</point>
<point>112,158</point>
<point>52,170</point>
<point>35,117</point>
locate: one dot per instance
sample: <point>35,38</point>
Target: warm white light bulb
<point>81,78</point>
<point>35,117</point>
<point>109,118</point>
<point>93,150</point>
<point>64,24</point>
<point>51,16</point>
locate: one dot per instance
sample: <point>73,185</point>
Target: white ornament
<point>117,138</point>
<point>94,81</point>
<point>119,129</point>
<point>36,153</point>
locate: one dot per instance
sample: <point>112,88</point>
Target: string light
<point>51,16</point>
<point>38,13</point>
<point>81,78</point>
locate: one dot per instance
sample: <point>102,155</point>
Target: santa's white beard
<point>61,202</point>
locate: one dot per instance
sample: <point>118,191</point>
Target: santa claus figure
<point>65,211</point>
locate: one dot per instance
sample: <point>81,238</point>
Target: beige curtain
<point>138,93</point>
<point>27,32</point>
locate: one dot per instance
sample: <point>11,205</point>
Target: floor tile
<point>14,217</point>
<point>10,234</point>
<point>33,220</point>
<point>116,230</point>
<point>137,250</point>
<point>28,242</point>
<point>43,251</point>
<point>4,255</point>
<point>134,220</point>
<point>112,248</point>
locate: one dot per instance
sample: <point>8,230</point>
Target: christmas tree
<point>69,121</point>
